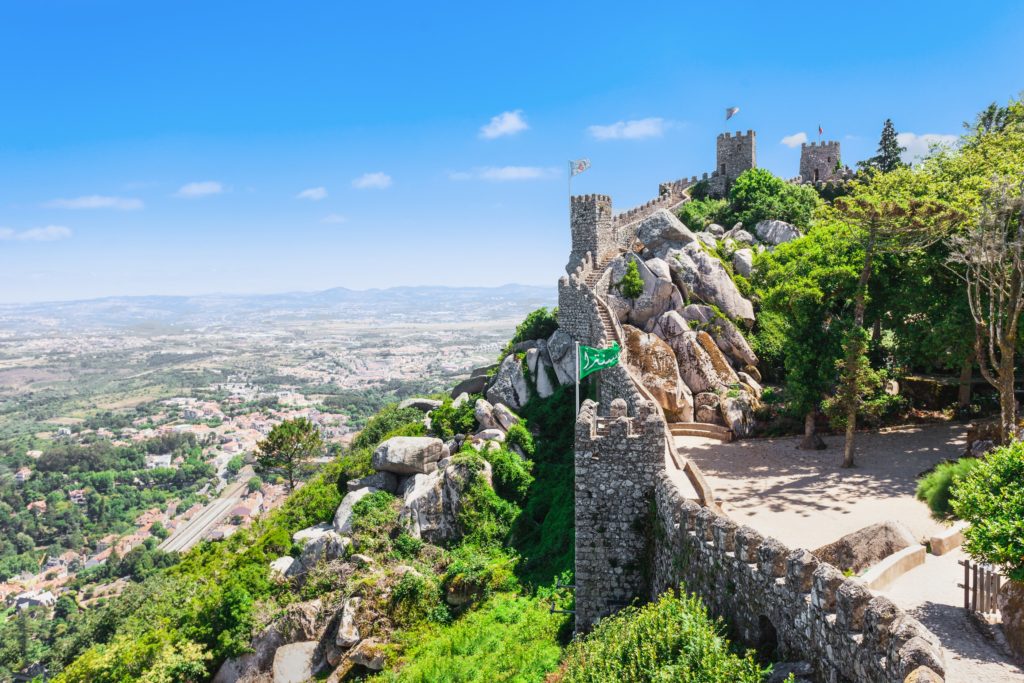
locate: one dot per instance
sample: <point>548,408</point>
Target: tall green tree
<point>888,157</point>
<point>288,446</point>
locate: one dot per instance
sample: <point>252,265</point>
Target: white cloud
<point>637,129</point>
<point>200,189</point>
<point>333,218</point>
<point>96,201</point>
<point>918,146</point>
<point>313,194</point>
<point>50,233</point>
<point>372,181</point>
<point>795,140</point>
<point>500,174</point>
<point>505,123</point>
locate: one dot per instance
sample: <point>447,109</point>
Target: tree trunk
<point>811,440</point>
<point>963,398</point>
<point>855,350</point>
<point>1007,396</point>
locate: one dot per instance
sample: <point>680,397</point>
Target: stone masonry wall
<point>734,154</point>
<point>782,600</point>
<point>818,161</point>
<point>590,220</point>
<point>617,465</point>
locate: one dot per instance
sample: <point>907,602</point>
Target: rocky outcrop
<point>743,262</point>
<point>369,653</point>
<point>324,546</point>
<point>695,365</point>
<point>385,481</point>
<point>432,502</point>
<point>470,385</point>
<point>348,631</point>
<point>700,275</point>
<point>775,233</point>
<point>738,414</point>
<point>539,364</point>
<point>659,294</point>
<point>505,417</point>
<point>656,364</point>
<point>509,384</point>
<point>1010,602</point>
<point>726,335</point>
<point>865,547</point>
<point>424,404</point>
<point>561,351</point>
<point>726,374</point>
<point>662,230</point>
<point>343,515</point>
<point>296,662</point>
<point>409,455</point>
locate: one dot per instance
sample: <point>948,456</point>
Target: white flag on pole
<point>578,166</point>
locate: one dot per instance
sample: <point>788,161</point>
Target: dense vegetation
<point>935,488</point>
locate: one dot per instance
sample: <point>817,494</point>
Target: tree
<point>883,223</point>
<point>287,447</point>
<point>254,484</point>
<point>759,195</point>
<point>991,498</point>
<point>631,285</point>
<point>889,150</point>
<point>990,259</point>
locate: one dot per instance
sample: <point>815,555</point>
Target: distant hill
<point>382,306</point>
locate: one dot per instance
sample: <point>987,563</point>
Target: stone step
<point>705,429</point>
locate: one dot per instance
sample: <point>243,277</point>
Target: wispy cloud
<point>505,123</point>
<point>918,146</point>
<point>96,201</point>
<point>314,194</point>
<point>372,181</point>
<point>50,233</point>
<point>637,129</point>
<point>203,188</point>
<point>333,218</point>
<point>795,140</point>
<point>500,174</point>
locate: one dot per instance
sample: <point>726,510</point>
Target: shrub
<point>512,477</point>
<point>373,516</point>
<point>759,195</point>
<point>539,324</point>
<point>407,546</point>
<point>479,572</point>
<point>446,420</point>
<point>519,435</point>
<point>991,498</point>
<point>700,213</point>
<point>934,487</point>
<point>389,419</point>
<point>417,598</point>
<point>484,517</point>
<point>672,639</point>
<point>631,285</point>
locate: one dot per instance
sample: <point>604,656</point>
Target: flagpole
<point>577,379</point>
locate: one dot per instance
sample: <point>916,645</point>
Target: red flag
<point>820,131</point>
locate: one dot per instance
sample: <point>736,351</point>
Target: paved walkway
<point>806,500</point>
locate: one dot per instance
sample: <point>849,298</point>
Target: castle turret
<point>591,224</point>
<point>734,155</point>
<point>819,162</point>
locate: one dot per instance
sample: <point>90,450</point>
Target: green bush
<point>417,598</point>
<point>484,517</point>
<point>759,195</point>
<point>700,213</point>
<point>519,435</point>
<point>539,324</point>
<point>934,487</point>
<point>389,419</point>
<point>447,420</point>
<point>373,516</point>
<point>991,498</point>
<point>631,285</point>
<point>479,572</point>
<point>511,474</point>
<point>672,639</point>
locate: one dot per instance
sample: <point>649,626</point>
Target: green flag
<point>592,360</point>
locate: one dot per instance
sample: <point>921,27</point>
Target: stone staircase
<point>591,282</point>
<point>704,429</point>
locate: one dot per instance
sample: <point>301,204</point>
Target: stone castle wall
<point>617,465</point>
<point>590,221</point>
<point>734,154</point>
<point>818,161</point>
<point>787,602</point>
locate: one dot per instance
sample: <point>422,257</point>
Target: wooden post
<point>967,583</point>
<point>974,590</point>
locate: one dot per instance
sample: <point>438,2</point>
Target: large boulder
<point>539,365</point>
<point>283,568</point>
<point>775,233</point>
<point>562,352</point>
<point>471,385</point>
<point>1010,602</point>
<point>409,455</point>
<point>738,234</point>
<point>695,365</point>
<point>386,481</point>
<point>296,662</point>
<point>727,336</point>
<point>505,417</point>
<point>483,412</point>
<point>369,653</point>
<point>509,385</point>
<point>424,404</point>
<point>726,374</point>
<point>325,546</point>
<point>743,262</point>
<point>343,515</point>
<point>662,230</point>
<point>659,294</point>
<point>432,502</point>
<point>738,414</point>
<point>668,325</point>
<point>656,363</point>
<point>868,546</point>
<point>348,631</point>
<point>703,276</point>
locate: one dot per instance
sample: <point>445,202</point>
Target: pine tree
<point>889,150</point>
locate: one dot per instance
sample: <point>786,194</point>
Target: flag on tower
<point>578,166</point>
<point>820,131</point>
<point>731,112</point>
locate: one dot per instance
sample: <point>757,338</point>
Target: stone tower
<point>734,155</point>
<point>592,231</point>
<point>818,162</point>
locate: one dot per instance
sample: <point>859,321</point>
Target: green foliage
<point>509,638</point>
<point>631,285</point>
<point>478,572</point>
<point>511,474</point>
<point>518,436</point>
<point>254,484</point>
<point>759,195</point>
<point>672,639</point>
<point>447,420</point>
<point>698,214</point>
<point>539,324</point>
<point>484,517</point>
<point>389,419</point>
<point>288,447</point>
<point>417,598</point>
<point>374,516</point>
<point>935,487</point>
<point>991,498</point>
<point>407,546</point>
<point>888,157</point>
<point>234,465</point>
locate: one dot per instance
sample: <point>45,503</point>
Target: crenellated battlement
<point>783,599</point>
<point>820,161</point>
<point>831,144</point>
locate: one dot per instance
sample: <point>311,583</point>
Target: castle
<point>647,522</point>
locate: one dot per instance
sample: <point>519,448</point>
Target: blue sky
<point>192,147</point>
